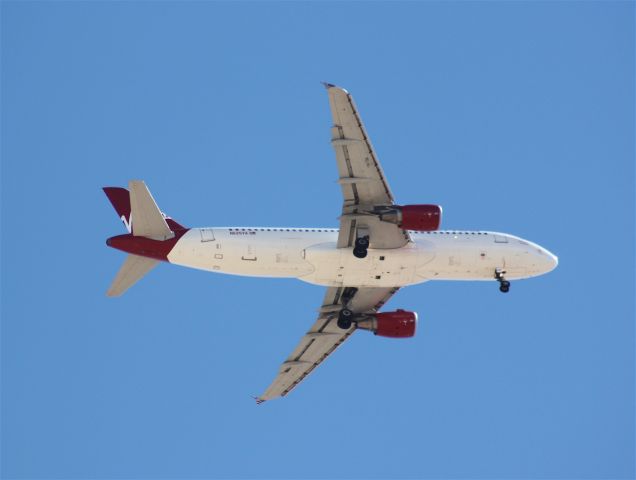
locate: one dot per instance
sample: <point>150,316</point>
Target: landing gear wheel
<point>504,285</point>
<point>362,242</point>
<point>360,252</point>
<point>360,247</point>
<point>345,319</point>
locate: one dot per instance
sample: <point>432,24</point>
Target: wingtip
<point>259,400</point>
<point>328,85</point>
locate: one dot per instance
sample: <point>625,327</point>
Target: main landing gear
<point>345,319</point>
<point>361,246</point>
<point>346,315</point>
<point>504,285</point>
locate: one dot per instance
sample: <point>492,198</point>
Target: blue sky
<point>515,116</point>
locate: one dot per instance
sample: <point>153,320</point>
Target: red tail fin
<point>120,199</point>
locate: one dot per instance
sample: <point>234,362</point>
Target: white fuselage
<point>310,254</point>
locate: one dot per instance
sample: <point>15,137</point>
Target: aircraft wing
<point>364,186</point>
<point>323,337</point>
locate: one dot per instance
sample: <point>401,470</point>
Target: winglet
<point>258,400</point>
<point>328,85</point>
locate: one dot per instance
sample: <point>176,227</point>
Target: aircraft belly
<point>380,268</point>
<point>324,264</point>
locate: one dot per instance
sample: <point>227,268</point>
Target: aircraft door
<point>501,239</point>
<point>207,234</point>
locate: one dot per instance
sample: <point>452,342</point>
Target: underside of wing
<point>361,176</point>
<point>364,186</point>
<point>324,336</point>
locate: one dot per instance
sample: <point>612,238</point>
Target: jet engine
<point>398,324</point>
<point>421,218</point>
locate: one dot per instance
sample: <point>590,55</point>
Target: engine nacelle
<point>398,324</point>
<point>421,218</point>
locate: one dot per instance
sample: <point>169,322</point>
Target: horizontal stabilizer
<point>133,269</point>
<point>147,218</point>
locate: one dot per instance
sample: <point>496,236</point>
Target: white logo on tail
<point>127,223</point>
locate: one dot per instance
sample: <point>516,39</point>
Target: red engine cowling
<point>398,324</point>
<point>421,218</point>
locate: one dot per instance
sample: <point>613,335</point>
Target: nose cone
<point>535,259</point>
<point>552,260</point>
<point>545,260</point>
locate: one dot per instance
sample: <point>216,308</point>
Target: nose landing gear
<point>504,285</point>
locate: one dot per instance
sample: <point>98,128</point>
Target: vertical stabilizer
<point>120,199</point>
<point>133,269</point>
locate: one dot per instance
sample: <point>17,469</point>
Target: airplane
<point>379,248</point>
